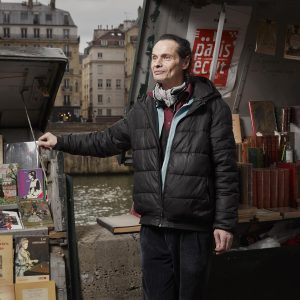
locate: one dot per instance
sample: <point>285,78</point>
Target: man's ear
<point>186,63</point>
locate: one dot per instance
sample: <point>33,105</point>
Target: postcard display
<point>36,232</point>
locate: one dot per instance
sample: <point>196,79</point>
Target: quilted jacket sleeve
<point>225,167</point>
<point>105,143</point>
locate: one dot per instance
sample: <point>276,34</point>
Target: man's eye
<point>168,57</point>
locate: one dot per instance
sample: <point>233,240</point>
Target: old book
<point>281,182</point>
<point>35,213</point>
<point>120,224</point>
<point>259,188</point>
<point>256,157</point>
<point>35,290</point>
<point>246,213</point>
<point>6,260</point>
<point>236,128</point>
<point>267,215</point>
<point>274,187</point>
<point>266,188</point>
<point>10,220</point>
<point>7,292</point>
<point>254,187</point>
<point>8,180</point>
<point>25,154</point>
<point>31,184</point>
<point>245,176</point>
<point>288,212</point>
<point>32,258</point>
<point>263,120</point>
<point>292,181</point>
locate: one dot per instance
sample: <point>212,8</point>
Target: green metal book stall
<point>37,233</point>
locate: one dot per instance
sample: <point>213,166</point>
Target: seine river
<point>101,195</point>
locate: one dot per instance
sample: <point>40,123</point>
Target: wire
<point>34,139</point>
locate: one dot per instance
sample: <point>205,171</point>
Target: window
<point>66,83</point>
<point>100,99</point>
<point>36,18</point>
<point>67,68</point>
<point>66,33</point>
<point>76,87</point>
<point>121,43</point>
<point>108,83</point>
<point>100,112</point>
<point>118,83</point>
<point>67,100</point>
<point>99,54</point>
<point>100,83</point>
<point>24,33</point>
<point>6,18</point>
<point>108,99</point>
<point>103,42</point>
<point>49,33</point>
<point>24,15</point>
<point>99,69</point>
<point>48,17</point>
<point>6,32</point>
<point>66,19</point>
<point>108,112</point>
<point>66,50</point>
<point>36,33</point>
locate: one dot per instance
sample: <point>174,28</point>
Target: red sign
<point>203,50</point>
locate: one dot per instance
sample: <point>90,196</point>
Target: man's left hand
<point>223,240</point>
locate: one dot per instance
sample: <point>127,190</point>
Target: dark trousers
<point>174,263</point>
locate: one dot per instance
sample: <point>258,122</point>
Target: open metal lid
<point>31,77</point>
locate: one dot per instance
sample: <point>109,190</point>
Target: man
<point>185,179</point>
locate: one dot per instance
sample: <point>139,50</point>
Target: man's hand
<point>223,240</point>
<point>47,140</point>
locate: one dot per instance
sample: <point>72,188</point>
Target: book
<point>236,128</point>
<point>245,180</point>
<point>287,212</point>
<point>274,187</point>
<point>263,214</point>
<point>246,213</point>
<point>31,183</point>
<point>263,120</point>
<point>8,180</point>
<point>7,292</point>
<point>35,290</point>
<point>35,213</point>
<point>292,181</point>
<point>126,223</point>
<point>10,220</point>
<point>32,258</point>
<point>6,260</point>
<point>25,154</point>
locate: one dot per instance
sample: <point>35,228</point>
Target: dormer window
<point>66,19</point>
<point>6,19</point>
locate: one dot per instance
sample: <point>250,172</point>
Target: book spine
<point>280,187</point>
<point>260,188</point>
<point>266,188</point>
<point>274,187</point>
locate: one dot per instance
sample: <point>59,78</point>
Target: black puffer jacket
<point>201,183</point>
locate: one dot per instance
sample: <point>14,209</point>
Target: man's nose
<point>158,62</point>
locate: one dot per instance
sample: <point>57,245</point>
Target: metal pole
<point>213,66</point>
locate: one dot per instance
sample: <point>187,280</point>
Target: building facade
<point>103,76</point>
<point>31,24</point>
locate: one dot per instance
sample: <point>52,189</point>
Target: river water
<point>101,195</point>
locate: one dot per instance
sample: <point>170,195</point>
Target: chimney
<point>52,4</point>
<point>30,3</point>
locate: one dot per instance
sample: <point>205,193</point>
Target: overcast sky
<point>88,14</point>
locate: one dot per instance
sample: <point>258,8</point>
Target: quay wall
<point>76,164</point>
<point>110,266</point>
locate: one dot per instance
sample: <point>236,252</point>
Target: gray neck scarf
<point>169,97</point>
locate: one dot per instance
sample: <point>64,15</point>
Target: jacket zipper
<point>159,155</point>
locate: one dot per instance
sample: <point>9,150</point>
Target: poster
<point>202,29</point>
<point>292,42</point>
<point>266,37</point>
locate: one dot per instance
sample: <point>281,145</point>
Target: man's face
<point>166,65</point>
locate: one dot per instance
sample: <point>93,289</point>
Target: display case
<point>29,81</point>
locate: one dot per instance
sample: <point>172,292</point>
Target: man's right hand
<point>47,140</point>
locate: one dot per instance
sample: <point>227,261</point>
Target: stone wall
<point>110,266</point>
